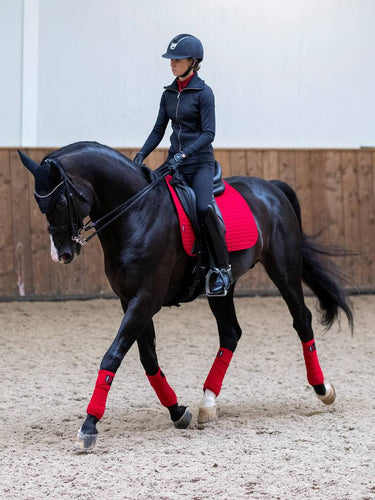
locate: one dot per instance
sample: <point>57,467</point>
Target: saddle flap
<point>187,199</point>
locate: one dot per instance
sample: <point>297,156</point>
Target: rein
<point>114,214</point>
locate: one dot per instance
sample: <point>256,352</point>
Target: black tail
<point>319,273</point>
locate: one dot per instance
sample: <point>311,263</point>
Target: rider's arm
<point>207,112</point>
<point>158,131</point>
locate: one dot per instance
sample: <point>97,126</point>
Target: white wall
<point>286,73</point>
<point>11,16</point>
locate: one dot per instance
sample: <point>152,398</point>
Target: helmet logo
<point>173,45</point>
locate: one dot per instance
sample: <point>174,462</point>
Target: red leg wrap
<point>96,406</point>
<point>314,372</point>
<point>163,390</point>
<point>218,370</point>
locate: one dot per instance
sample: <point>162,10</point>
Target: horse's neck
<point>110,180</point>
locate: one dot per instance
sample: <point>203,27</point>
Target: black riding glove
<point>177,159</point>
<point>138,159</point>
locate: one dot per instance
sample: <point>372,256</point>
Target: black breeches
<point>200,179</point>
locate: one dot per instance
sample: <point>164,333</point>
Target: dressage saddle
<point>187,196</point>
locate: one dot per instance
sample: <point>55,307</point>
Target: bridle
<point>76,225</point>
<point>45,202</point>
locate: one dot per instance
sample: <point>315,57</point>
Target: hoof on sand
<point>85,442</point>
<point>330,395</point>
<point>184,421</point>
<point>207,414</point>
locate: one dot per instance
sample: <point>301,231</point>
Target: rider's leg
<point>200,179</point>
<point>220,278</point>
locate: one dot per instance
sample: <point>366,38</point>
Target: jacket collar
<point>195,83</point>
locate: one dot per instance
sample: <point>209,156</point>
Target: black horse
<point>147,266</point>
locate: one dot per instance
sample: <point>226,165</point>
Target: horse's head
<point>64,205</point>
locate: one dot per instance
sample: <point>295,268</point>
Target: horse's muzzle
<point>64,255</point>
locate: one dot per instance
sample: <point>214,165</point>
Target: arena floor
<point>274,438</point>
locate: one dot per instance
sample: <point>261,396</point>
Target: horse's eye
<point>60,205</point>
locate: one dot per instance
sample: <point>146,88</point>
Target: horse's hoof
<point>330,395</point>
<point>184,421</point>
<point>85,442</point>
<point>207,414</point>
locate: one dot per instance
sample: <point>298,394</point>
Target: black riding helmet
<point>184,46</point>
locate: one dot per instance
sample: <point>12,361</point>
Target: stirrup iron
<point>226,279</point>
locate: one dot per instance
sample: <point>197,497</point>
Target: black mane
<point>90,147</point>
<point>93,147</point>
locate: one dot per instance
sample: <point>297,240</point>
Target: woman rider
<point>189,103</point>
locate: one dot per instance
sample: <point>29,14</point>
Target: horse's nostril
<point>66,258</point>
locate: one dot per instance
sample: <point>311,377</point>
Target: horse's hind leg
<point>229,334</point>
<point>180,415</point>
<point>285,272</point>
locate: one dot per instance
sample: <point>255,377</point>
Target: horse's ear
<point>29,163</point>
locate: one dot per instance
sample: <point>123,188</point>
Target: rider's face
<point>180,66</point>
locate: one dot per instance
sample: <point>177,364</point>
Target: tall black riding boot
<point>219,278</point>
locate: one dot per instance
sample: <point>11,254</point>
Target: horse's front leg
<point>135,320</point>
<point>180,415</point>
<point>229,334</point>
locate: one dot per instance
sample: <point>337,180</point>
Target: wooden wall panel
<point>303,188</point>
<point>237,161</point>
<point>336,189</point>
<point>271,165</point>
<point>8,282</point>
<point>366,216</point>
<point>319,206</point>
<point>335,201</point>
<point>20,213</point>
<point>287,167</point>
<point>351,212</point>
<point>223,157</point>
<point>254,163</point>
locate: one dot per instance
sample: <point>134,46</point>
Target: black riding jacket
<point>192,113</point>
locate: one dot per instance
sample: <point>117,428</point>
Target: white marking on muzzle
<point>54,253</point>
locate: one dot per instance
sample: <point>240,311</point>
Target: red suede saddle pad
<point>241,230</point>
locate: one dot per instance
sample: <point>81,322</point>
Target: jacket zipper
<point>178,121</point>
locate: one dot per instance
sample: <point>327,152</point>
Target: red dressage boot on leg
<point>212,386</point>
<point>324,391</point>
<point>180,415</point>
<point>86,441</point>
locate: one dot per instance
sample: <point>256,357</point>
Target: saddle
<point>187,198</point>
<point>235,215</point>
<point>232,209</point>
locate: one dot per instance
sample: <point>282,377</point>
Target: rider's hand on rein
<point>138,158</point>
